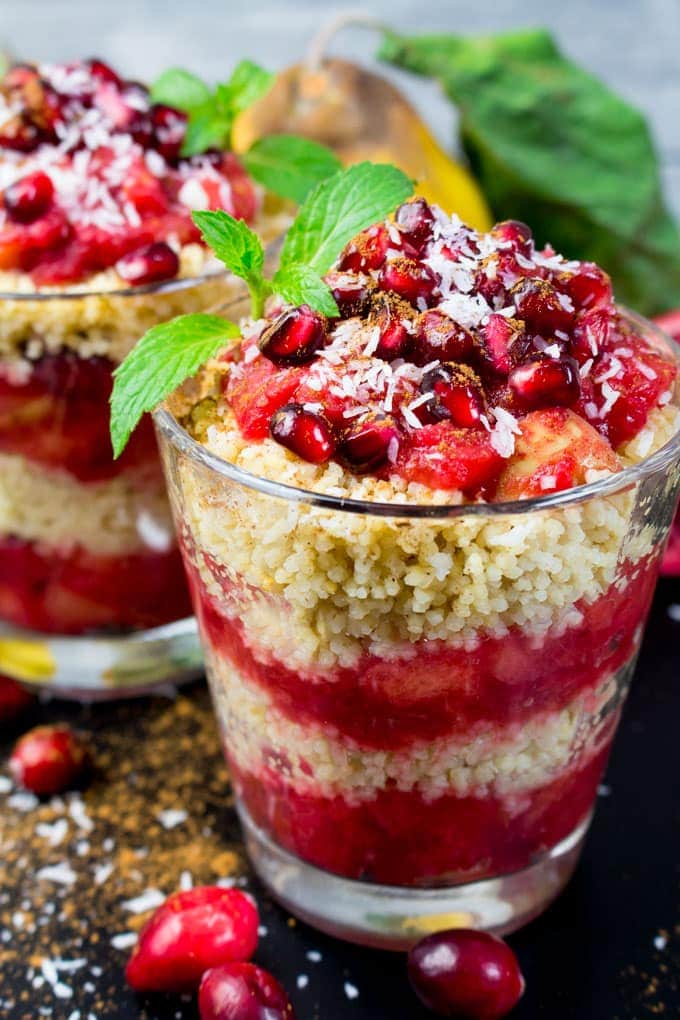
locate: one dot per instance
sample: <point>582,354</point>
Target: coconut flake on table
<point>61,874</point>
<point>172,817</point>
<point>148,900</point>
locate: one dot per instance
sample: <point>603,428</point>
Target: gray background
<point>632,44</point>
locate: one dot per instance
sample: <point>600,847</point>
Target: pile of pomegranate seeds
<point>91,176</point>
<point>446,340</point>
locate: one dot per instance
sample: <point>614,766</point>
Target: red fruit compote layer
<point>427,699</point>
<point>94,198</point>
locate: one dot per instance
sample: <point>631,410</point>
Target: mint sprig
<point>290,166</point>
<point>334,212</point>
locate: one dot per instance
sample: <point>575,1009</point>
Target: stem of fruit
<point>316,54</point>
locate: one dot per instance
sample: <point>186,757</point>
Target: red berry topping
<point>515,234</point>
<point>149,264</point>
<point>589,287</point>
<point>543,381</point>
<point>439,338</point>
<point>49,759</point>
<point>411,280</point>
<point>415,220</point>
<point>457,394</point>
<point>29,198</point>
<point>544,309</point>
<point>466,974</point>
<point>498,340</point>
<point>370,444</point>
<point>295,337</point>
<point>19,134</point>
<point>14,699</point>
<point>351,293</point>
<point>102,72</point>
<point>591,334</point>
<point>169,129</point>
<point>388,316</point>
<point>191,932</point>
<point>366,251</point>
<point>242,991</point>
<point>304,431</point>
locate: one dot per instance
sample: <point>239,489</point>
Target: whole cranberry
<point>465,974</point>
<point>191,932</point>
<point>49,759</point>
<point>414,220</point>
<point>546,381</point>
<point>439,338</point>
<point>366,251</point>
<point>29,197</point>
<point>369,445</point>
<point>14,699</point>
<point>303,431</point>
<point>148,264</point>
<point>242,991</point>
<point>169,129</point>
<point>411,280</point>
<point>294,337</point>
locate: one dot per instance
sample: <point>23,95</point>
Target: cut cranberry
<point>295,337</point>
<point>498,341</point>
<point>589,287</point>
<point>411,280</point>
<point>304,432</point>
<point>457,394</point>
<point>515,233</point>
<point>191,932</point>
<point>370,444</point>
<point>14,699</point>
<point>542,307</point>
<point>351,293</point>
<point>242,991</point>
<point>102,72</point>
<point>149,264</point>
<point>439,338</point>
<point>414,220</point>
<point>49,759</point>
<point>169,128</point>
<point>366,251</point>
<point>546,381</point>
<point>466,974</point>
<point>29,198</point>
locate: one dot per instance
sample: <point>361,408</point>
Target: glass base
<point>99,667</point>
<point>393,917</point>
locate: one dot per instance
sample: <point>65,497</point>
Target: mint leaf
<point>552,145</point>
<point>181,89</point>
<point>164,357</point>
<point>339,208</point>
<point>205,130</point>
<point>300,285</point>
<point>248,83</point>
<point>239,248</point>
<point>290,166</point>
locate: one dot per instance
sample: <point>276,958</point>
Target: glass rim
<point>160,287</point>
<point>170,428</point>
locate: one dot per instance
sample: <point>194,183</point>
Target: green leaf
<point>339,208</point>
<point>300,285</point>
<point>550,144</point>
<point>290,166</point>
<point>239,248</point>
<point>248,83</point>
<point>164,357</point>
<point>205,131</point>
<point>181,89</point>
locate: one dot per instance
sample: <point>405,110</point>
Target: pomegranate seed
<point>591,334</point>
<point>148,264</point>
<point>295,337</point>
<point>102,72</point>
<point>351,293</point>
<point>169,128</point>
<point>14,699</point>
<point>28,198</point>
<point>498,339</point>
<point>515,233</point>
<point>49,759</point>
<point>457,394</point>
<point>543,308</point>
<point>387,316</point>
<point>191,932</point>
<point>366,251</point>
<point>414,220</point>
<point>465,974</point>
<point>589,287</point>
<point>411,280</point>
<point>304,432</point>
<point>242,991</point>
<point>544,381</point>
<point>370,444</point>
<point>20,135</point>
<point>439,338</point>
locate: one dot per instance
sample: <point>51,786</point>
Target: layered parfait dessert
<point>422,540</point>
<point>96,245</point>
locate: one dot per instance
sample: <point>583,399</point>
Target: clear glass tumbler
<point>417,702</point>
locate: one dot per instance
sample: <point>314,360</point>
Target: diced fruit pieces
<point>445,457</point>
<point>255,396</point>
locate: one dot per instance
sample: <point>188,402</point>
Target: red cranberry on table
<point>242,991</point>
<point>191,932</point>
<point>149,264</point>
<point>14,699</point>
<point>29,197</point>
<point>414,220</point>
<point>294,337</point>
<point>465,974</point>
<point>304,431</point>
<point>49,759</point>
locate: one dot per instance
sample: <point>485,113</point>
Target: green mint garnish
<point>333,213</point>
<point>289,166</point>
